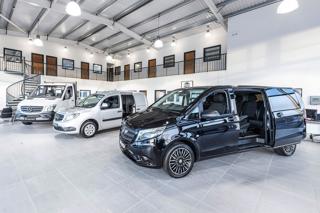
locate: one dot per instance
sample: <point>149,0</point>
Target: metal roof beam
<point>92,32</point>
<point>13,24</point>
<point>163,27</point>
<point>225,3</point>
<point>121,15</point>
<point>131,9</point>
<point>214,9</point>
<point>166,11</point>
<point>229,15</point>
<point>60,8</point>
<point>75,29</point>
<point>64,18</point>
<point>14,3</point>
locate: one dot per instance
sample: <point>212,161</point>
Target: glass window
<point>97,68</point>
<point>168,61</point>
<point>67,64</point>
<point>50,91</point>
<point>216,103</point>
<point>181,99</point>
<point>138,67</point>
<point>12,55</point>
<point>284,102</point>
<point>69,93</point>
<point>194,114</point>
<point>113,102</point>
<point>90,101</point>
<point>212,53</point>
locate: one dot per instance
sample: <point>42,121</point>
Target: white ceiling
<point>188,17</point>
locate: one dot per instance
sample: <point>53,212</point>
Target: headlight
<point>150,133</point>
<point>49,108</point>
<point>69,117</point>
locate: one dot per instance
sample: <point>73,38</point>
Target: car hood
<point>151,118</point>
<point>39,102</point>
<point>74,110</point>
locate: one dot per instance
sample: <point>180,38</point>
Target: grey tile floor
<point>41,171</point>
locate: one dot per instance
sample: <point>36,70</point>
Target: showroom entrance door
<point>51,68</point>
<point>37,66</point>
<point>127,72</point>
<point>189,62</point>
<point>84,70</point>
<point>152,68</point>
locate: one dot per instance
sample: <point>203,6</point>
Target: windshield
<point>48,91</point>
<point>178,100</point>
<point>90,101</point>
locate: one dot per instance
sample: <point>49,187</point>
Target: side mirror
<point>210,115</point>
<point>105,106</point>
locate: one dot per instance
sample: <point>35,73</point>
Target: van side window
<point>112,101</point>
<point>69,93</point>
<point>284,102</point>
<point>216,103</point>
<point>194,114</point>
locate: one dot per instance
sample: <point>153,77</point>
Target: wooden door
<point>152,68</point>
<point>51,68</point>
<point>189,62</point>
<point>84,70</point>
<point>37,61</point>
<point>127,72</point>
<point>110,74</point>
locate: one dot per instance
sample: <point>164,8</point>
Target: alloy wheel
<point>180,161</point>
<point>89,130</point>
<point>289,149</point>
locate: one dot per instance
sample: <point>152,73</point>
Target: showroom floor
<point>41,171</point>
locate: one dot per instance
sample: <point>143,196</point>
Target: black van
<point>193,124</point>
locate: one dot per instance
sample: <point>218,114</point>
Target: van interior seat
<point>216,102</point>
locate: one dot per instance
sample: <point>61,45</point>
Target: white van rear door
<point>140,102</point>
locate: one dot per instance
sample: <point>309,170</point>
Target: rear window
<point>284,102</point>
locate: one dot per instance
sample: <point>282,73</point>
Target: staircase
<point>19,90</point>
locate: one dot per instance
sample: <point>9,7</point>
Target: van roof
<point>115,92</point>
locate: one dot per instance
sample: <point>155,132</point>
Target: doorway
<point>152,68</point>
<point>127,72</point>
<point>189,62</point>
<point>52,63</point>
<point>84,70</point>
<point>37,61</point>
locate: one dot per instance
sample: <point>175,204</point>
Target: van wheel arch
<point>87,122</point>
<point>186,142</point>
<point>92,120</point>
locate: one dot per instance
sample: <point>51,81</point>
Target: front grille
<point>58,117</point>
<point>127,134</point>
<point>31,108</point>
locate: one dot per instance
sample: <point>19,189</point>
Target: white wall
<point>77,53</point>
<point>265,48</point>
<point>195,42</point>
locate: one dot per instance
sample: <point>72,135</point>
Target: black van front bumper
<point>147,156</point>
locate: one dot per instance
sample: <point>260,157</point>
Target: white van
<point>44,101</point>
<point>103,110</point>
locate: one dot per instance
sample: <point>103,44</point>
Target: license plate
<point>123,146</point>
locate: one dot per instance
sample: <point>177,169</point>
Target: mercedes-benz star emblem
<point>30,109</point>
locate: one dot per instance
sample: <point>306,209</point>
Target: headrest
<point>219,98</point>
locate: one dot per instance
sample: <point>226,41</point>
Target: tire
<point>26,123</point>
<point>88,129</point>
<point>286,150</point>
<point>178,160</point>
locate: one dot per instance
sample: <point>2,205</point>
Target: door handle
<point>279,114</point>
<point>119,110</point>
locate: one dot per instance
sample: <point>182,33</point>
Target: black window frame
<point>97,72</point>
<point>4,54</point>
<point>137,69</point>
<point>117,70</point>
<point>67,68</point>
<point>168,65</point>
<point>205,58</point>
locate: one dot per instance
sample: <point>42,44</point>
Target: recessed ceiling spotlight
<point>287,6</point>
<point>73,9</point>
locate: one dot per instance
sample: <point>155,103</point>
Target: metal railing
<point>180,68</point>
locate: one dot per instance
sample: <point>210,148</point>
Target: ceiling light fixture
<point>109,58</point>
<point>128,54</point>
<point>37,41</point>
<point>65,48</point>
<point>91,54</point>
<point>148,49</point>
<point>73,9</point>
<point>287,6</point>
<point>208,31</point>
<point>173,43</point>
<point>158,43</point>
<point>30,41</point>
